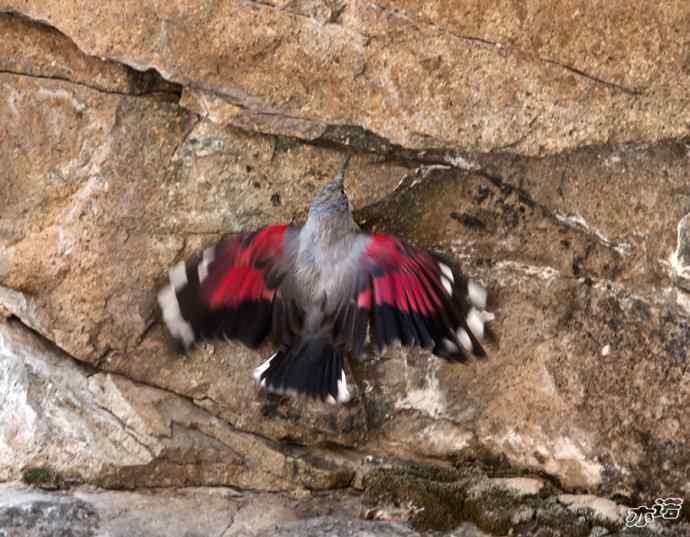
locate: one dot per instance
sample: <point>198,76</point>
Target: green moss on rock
<point>435,499</point>
<point>491,509</point>
<point>42,477</point>
<point>441,499</point>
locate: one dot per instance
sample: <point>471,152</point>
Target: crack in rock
<point>576,221</point>
<point>99,89</point>
<point>500,46</point>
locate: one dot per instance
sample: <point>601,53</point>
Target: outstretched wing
<point>231,289</point>
<point>414,297</point>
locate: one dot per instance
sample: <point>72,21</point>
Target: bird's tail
<point>312,366</point>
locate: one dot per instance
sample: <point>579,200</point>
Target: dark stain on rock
<point>468,220</point>
<point>577,265</point>
<point>481,194</point>
<point>677,343</point>
<point>68,518</point>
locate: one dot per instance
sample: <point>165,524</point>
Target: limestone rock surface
<point>539,78</point>
<point>543,147</point>
<point>102,428</point>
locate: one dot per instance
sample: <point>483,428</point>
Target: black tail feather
<point>312,367</point>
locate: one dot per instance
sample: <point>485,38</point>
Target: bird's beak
<point>340,176</point>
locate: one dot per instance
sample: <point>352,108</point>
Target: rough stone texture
<point>43,52</point>
<point>334,527</point>
<point>89,512</point>
<point>441,499</point>
<point>680,259</point>
<point>119,202</point>
<point>103,428</point>
<point>184,512</point>
<point>589,330</point>
<point>545,148</point>
<point>422,74</point>
<point>26,512</point>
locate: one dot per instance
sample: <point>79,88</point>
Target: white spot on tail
<point>206,260</point>
<point>260,370</point>
<point>447,272</point>
<point>487,316</point>
<point>343,392</point>
<point>475,323</point>
<point>477,294</point>
<point>178,276</point>
<point>464,339</point>
<point>172,315</point>
<point>447,285</point>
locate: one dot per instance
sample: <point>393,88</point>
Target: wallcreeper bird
<point>320,291</point>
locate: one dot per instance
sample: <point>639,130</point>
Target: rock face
<point>545,149</point>
<point>680,260</point>
<point>536,78</point>
<point>105,429</point>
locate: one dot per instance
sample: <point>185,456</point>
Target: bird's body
<point>318,291</point>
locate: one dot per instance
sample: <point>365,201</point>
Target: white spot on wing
<point>178,276</point>
<point>477,294</point>
<point>464,339</point>
<point>447,285</point>
<point>172,315</point>
<point>260,370</point>
<point>447,272</point>
<point>206,260</point>
<point>343,392</point>
<point>475,323</point>
<point>449,345</point>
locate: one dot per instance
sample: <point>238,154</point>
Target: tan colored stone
<point>420,75</point>
<point>84,236</point>
<point>549,397</point>
<point>592,39</point>
<point>587,379</point>
<point>40,51</point>
<point>117,209</point>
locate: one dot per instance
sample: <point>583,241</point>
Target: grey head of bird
<point>330,214</point>
<point>332,199</point>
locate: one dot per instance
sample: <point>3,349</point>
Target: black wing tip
<point>180,329</point>
<point>189,319</point>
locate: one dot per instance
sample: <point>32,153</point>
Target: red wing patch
<point>403,276</point>
<point>416,298</point>
<point>229,290</point>
<point>239,271</point>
